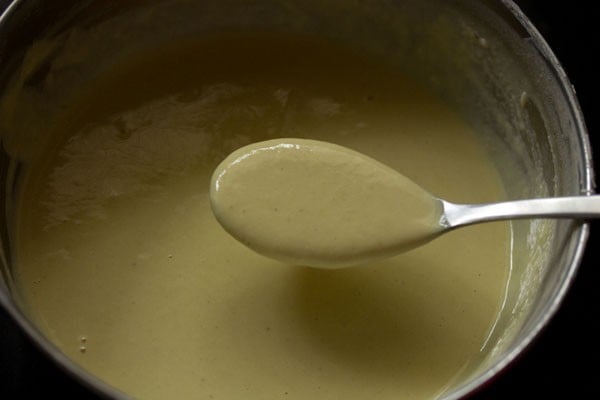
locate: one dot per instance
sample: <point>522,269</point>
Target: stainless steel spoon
<point>314,203</point>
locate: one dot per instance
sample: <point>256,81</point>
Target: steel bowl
<point>485,58</point>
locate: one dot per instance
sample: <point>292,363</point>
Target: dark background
<point>562,363</point>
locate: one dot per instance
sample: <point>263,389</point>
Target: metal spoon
<point>314,203</point>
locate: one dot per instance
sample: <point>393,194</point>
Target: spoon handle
<point>577,207</point>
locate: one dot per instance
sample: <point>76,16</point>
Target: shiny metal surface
<point>577,207</point>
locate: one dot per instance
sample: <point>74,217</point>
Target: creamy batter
<point>310,202</point>
<point>126,269</point>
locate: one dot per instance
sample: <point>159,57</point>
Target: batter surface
<point>126,269</point>
<point>317,204</point>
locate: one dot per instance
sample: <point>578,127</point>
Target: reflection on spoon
<point>319,204</point>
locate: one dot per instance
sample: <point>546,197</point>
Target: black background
<point>562,363</point>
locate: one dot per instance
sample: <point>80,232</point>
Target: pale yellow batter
<point>126,269</point>
<point>314,203</point>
